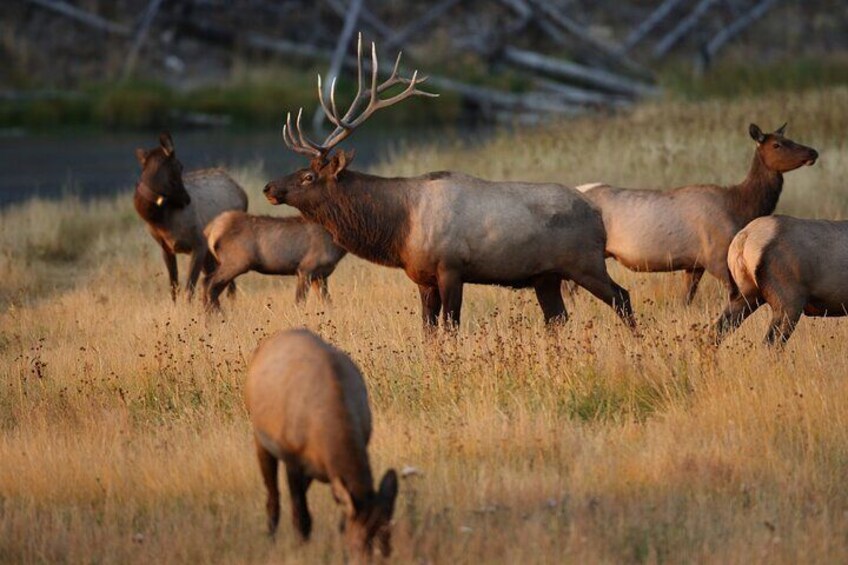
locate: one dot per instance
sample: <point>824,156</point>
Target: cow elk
<point>176,207</point>
<point>241,242</point>
<point>446,229</point>
<point>796,266</point>
<point>689,228</point>
<point>309,408</point>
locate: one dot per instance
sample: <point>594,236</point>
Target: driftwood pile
<point>563,64</point>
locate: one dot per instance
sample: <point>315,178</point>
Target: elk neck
<point>144,201</point>
<point>367,215</point>
<point>758,194</point>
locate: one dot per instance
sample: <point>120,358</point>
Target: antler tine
<point>291,142</point>
<point>304,140</point>
<point>333,114</point>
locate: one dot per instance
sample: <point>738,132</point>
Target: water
<point>100,164</point>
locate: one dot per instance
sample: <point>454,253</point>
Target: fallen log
<point>83,17</point>
<point>668,41</point>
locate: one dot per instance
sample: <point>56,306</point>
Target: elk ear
<point>141,155</point>
<point>343,497</point>
<point>756,133</point>
<point>781,129</point>
<point>388,491</point>
<point>341,161</point>
<point>167,143</point>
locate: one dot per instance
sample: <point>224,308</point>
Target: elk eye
<point>308,177</point>
<point>776,146</point>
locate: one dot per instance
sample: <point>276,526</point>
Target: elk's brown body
<point>796,266</point>
<point>309,409</point>
<point>690,228</point>
<point>176,207</point>
<point>241,242</point>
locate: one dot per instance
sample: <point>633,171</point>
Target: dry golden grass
<point>124,436</point>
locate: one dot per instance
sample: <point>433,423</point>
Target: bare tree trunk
<point>595,77</point>
<point>83,17</point>
<point>665,44</point>
<point>437,11</point>
<point>649,24</point>
<point>735,28</point>
<point>140,37</point>
<point>338,56</point>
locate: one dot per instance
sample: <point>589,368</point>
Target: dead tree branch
<point>140,37</point>
<point>83,17</point>
<point>643,29</point>
<point>735,28</point>
<point>686,25</point>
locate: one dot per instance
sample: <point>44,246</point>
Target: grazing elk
<point>309,408</point>
<point>796,266</point>
<point>241,242</point>
<point>446,229</point>
<point>177,207</point>
<point>689,228</point>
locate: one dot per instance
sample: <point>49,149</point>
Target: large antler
<point>347,123</point>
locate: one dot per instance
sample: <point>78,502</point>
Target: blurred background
<point>84,82</point>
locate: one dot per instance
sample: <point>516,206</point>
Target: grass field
<point>125,439</point>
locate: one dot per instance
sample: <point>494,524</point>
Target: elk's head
<point>161,179</point>
<point>309,187</point>
<point>778,152</point>
<point>365,521</point>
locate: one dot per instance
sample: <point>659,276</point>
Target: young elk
<point>446,229</point>
<point>796,266</point>
<point>690,228</point>
<point>241,242</point>
<point>177,207</point>
<point>309,408</point>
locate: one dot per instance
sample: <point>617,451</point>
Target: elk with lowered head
<point>796,266</point>
<point>689,228</point>
<point>309,408</point>
<point>241,242</point>
<point>447,229</point>
<point>176,207</point>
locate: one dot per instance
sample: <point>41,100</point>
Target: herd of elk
<point>446,229</point>
<point>177,207</point>
<point>308,402</point>
<point>689,228</point>
<point>241,242</point>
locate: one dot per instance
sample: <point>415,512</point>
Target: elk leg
<point>319,287</point>
<point>268,466</point>
<point>431,305</point>
<point>783,322</point>
<point>606,289</point>
<point>298,485</point>
<point>692,279</point>
<point>231,289</point>
<point>738,309</point>
<point>171,265</point>
<point>549,295</point>
<point>302,288</point>
<point>220,280</point>
<point>198,259</point>
<point>450,291</point>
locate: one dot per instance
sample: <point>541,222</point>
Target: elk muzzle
<point>811,160</point>
<point>275,193</point>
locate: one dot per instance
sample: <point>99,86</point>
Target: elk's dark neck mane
<point>367,215</point>
<point>758,194</point>
<point>149,211</point>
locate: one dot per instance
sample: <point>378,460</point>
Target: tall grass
<point>124,435</point>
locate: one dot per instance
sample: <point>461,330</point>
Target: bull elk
<point>176,207</point>
<point>446,229</point>
<point>796,266</point>
<point>689,228</point>
<point>309,408</point>
<point>241,242</point>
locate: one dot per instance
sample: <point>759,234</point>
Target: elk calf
<point>796,266</point>
<point>177,207</point>
<point>241,242</point>
<point>309,408</point>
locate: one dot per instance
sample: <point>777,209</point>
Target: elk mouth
<point>272,199</point>
<point>810,162</point>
